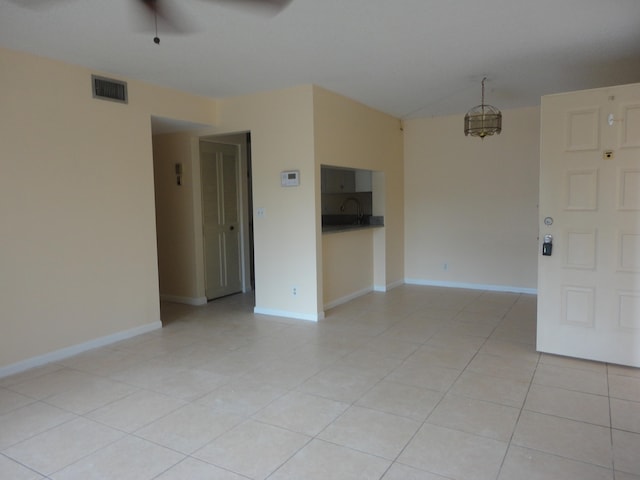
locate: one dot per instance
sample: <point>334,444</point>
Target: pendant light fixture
<point>483,120</point>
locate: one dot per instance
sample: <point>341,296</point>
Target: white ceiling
<point>410,58</point>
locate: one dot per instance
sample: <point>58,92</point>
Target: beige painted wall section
<point>281,126</point>
<point>175,222</point>
<point>78,257</point>
<point>471,204</point>
<point>350,134</point>
<point>347,265</point>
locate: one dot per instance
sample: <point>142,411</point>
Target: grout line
<point>519,415</point>
<point>613,463</point>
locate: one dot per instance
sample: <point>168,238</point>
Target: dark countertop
<point>344,223</point>
<point>347,228</point>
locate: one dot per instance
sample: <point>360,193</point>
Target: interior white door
<point>220,174</point>
<point>589,288</point>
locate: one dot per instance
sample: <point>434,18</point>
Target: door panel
<point>589,288</point>
<point>221,218</point>
<point>231,212</point>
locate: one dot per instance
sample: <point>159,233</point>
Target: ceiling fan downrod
<point>156,39</point>
<point>152,5</point>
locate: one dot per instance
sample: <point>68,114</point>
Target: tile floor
<point>419,383</point>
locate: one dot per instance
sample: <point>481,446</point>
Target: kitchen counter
<point>346,228</point>
<point>344,223</point>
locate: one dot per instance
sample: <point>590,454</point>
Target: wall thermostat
<point>290,178</point>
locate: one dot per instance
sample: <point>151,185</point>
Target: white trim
<point>347,298</point>
<point>195,301</point>
<point>390,286</point>
<point>471,286</point>
<point>76,349</point>
<point>286,314</point>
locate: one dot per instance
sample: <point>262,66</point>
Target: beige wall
<point>347,265</point>
<point>281,126</point>
<point>175,217</point>
<point>79,259</point>
<point>472,204</point>
<point>301,128</point>
<point>350,134</point>
<point>78,256</point>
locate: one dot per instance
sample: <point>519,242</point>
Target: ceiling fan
<point>171,17</point>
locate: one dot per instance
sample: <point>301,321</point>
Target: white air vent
<point>109,89</point>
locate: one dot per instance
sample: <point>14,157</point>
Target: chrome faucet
<point>359,211</point>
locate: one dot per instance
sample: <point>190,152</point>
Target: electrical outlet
<point>260,212</point>
<point>445,266</point>
<point>294,291</point>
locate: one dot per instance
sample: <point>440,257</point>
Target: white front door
<point>220,174</point>
<point>589,288</point>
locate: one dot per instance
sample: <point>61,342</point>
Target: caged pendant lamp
<point>483,120</point>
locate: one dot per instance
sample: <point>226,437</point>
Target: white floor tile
<point>525,464</point>
<point>625,415</point>
<point>135,411</point>
<point>189,428</point>
<point>504,391</point>
<point>343,384</point>
<point>402,472</point>
<point>10,469</point>
<point>60,446</point>
<point>475,416</point>
<point>454,454</point>
<point>580,380</point>
<point>567,438</point>
<point>128,459</point>
<point>28,421</point>
<point>399,399</point>
<point>584,407</point>
<point>370,431</point>
<point>242,397</point>
<point>253,449</point>
<point>321,461</point>
<point>626,448</point>
<point>624,387</point>
<point>251,396</point>
<point>301,412</point>
<point>192,469</point>
<point>11,400</point>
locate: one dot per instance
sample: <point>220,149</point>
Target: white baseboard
<point>347,298</point>
<point>195,301</point>
<point>287,314</point>
<point>390,286</point>
<point>471,286</point>
<point>76,349</point>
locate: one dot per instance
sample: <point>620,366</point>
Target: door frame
<point>242,141</point>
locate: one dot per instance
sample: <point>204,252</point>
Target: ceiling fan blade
<point>272,7</point>
<point>34,4</point>
<point>169,20</point>
<point>161,16</point>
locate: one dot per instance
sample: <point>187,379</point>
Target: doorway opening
<point>179,217</point>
